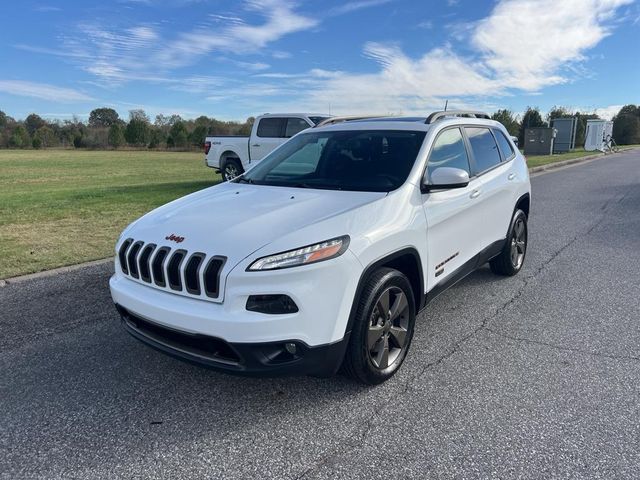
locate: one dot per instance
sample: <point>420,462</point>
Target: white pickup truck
<point>232,155</point>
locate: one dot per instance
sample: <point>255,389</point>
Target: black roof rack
<point>348,118</point>
<point>455,113</point>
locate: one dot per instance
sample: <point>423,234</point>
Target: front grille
<point>145,271</point>
<point>173,269</point>
<point>192,274</point>
<point>132,259</point>
<point>157,266</point>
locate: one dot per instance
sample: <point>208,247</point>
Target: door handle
<point>511,176</point>
<point>475,194</point>
<point>255,145</point>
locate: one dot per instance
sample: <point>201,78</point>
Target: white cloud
<point>254,66</point>
<point>523,45</point>
<point>527,42</point>
<point>46,8</point>
<point>143,52</point>
<point>236,37</point>
<point>353,6</point>
<point>607,112</point>
<point>280,55</point>
<point>42,91</point>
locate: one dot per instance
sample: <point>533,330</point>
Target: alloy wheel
<point>518,243</point>
<point>388,328</point>
<point>230,171</point>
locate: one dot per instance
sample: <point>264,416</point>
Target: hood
<point>235,220</point>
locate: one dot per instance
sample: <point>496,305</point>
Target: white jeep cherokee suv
<point>321,255</point>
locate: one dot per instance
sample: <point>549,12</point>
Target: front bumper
<point>259,359</point>
<point>250,342</point>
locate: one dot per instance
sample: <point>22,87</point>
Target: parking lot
<point>534,376</point>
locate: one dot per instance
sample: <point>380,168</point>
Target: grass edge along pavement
<point>75,192</point>
<point>66,207</point>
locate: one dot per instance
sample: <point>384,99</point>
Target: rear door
<point>295,125</point>
<point>269,135</point>
<point>273,132</point>
<point>496,177</point>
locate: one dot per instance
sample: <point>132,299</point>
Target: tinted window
<point>370,160</point>
<point>449,151</point>
<point>271,127</point>
<point>295,125</point>
<point>485,150</point>
<point>317,120</point>
<point>504,144</point>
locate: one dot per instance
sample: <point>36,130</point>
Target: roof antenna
<point>445,104</point>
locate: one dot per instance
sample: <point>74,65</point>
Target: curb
<point>71,268</point>
<point>55,271</point>
<point>564,163</point>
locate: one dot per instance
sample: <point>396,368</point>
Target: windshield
<point>373,161</point>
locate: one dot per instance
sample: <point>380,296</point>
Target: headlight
<point>303,256</point>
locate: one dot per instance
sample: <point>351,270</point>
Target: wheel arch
<point>407,261</point>
<point>524,204</point>
<point>227,154</point>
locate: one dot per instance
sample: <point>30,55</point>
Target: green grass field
<point>538,160</point>
<point>61,207</point>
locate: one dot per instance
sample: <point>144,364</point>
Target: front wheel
<point>511,259</point>
<point>231,169</point>
<point>383,328</point>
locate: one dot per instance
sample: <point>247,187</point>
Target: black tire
<point>231,168</point>
<point>365,361</point>
<point>511,259</point>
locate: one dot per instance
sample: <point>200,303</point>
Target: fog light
<point>271,304</point>
<point>291,348</point>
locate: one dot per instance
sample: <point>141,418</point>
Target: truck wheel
<point>511,259</point>
<point>231,169</point>
<point>383,328</point>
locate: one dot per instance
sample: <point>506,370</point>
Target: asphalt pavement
<point>536,376</point>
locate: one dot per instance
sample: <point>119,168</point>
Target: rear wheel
<point>511,259</point>
<point>383,328</point>
<point>231,168</point>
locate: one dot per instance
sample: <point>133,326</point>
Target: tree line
<point>105,129</point>
<point>626,123</point>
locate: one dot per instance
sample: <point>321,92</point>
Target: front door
<point>453,216</point>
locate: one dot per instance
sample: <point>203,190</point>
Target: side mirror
<point>444,178</point>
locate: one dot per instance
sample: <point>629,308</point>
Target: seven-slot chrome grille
<point>172,269</point>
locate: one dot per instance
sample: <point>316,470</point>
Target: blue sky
<point>232,59</point>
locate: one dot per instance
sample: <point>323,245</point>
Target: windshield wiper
<point>243,180</point>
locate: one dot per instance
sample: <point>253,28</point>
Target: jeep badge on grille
<point>174,238</point>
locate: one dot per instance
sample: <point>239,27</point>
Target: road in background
<point>534,376</point>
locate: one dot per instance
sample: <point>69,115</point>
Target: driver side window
<point>449,151</point>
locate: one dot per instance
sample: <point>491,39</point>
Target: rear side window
<point>271,127</point>
<point>504,144</point>
<point>485,150</point>
<point>448,151</point>
<point>295,125</point>
<point>317,120</point>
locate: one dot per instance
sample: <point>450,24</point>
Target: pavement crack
<point>351,445</point>
<point>562,347</point>
<point>342,448</point>
<point>516,296</point>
